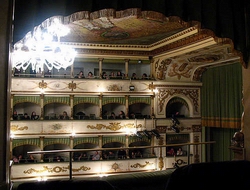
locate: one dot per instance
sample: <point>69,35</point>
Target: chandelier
<point>42,47</point>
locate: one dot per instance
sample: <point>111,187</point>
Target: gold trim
<point>56,169</point>
<point>42,85</point>
<point>115,126</point>
<point>16,128</point>
<point>138,165</point>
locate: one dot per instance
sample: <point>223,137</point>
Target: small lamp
<point>131,88</point>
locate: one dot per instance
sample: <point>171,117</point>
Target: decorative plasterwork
<point>42,85</point>
<point>14,128</point>
<point>115,166</point>
<point>115,126</point>
<point>114,87</point>
<point>196,128</point>
<point>138,165</point>
<point>135,34</point>
<point>163,94</point>
<point>56,169</point>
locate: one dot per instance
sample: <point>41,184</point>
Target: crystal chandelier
<point>42,47</point>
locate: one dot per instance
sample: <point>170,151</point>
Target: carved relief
<point>161,163</point>
<point>205,58</point>
<point>196,128</point>
<point>161,129</point>
<point>198,73</point>
<point>56,127</point>
<point>138,165</point>
<point>97,126</point>
<point>114,87</point>
<point>192,94</point>
<point>82,168</point>
<point>42,84</point>
<point>16,128</point>
<point>182,70</point>
<point>162,68</point>
<point>114,126</point>
<point>72,85</point>
<point>56,169</point>
<point>115,166</point>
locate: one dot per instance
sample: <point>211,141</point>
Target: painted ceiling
<point>180,51</point>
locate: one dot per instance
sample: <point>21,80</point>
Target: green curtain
<point>22,99</point>
<point>220,150</point>
<point>221,109</point>
<point>221,96</point>
<point>22,142</point>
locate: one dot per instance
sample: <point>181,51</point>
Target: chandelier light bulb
<point>42,47</point>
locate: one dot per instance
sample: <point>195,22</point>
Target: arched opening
<point>56,157</point>
<point>140,110</point>
<point>86,111</point>
<point>85,155</point>
<point>140,152</point>
<point>115,108</point>
<point>113,154</point>
<point>177,105</point>
<point>20,154</point>
<point>26,108</point>
<point>55,110</point>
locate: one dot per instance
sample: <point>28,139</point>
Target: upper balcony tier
<point>93,87</point>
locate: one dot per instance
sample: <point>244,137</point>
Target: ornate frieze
<point>165,93</point>
<point>114,126</point>
<point>56,169</point>
<point>138,165</point>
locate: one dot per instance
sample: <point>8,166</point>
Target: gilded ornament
<point>161,163</point>
<point>56,126</point>
<point>56,169</point>
<point>115,166</point>
<point>114,126</point>
<point>183,70</point>
<point>114,87</point>
<point>97,126</point>
<point>83,168</point>
<point>42,84</point>
<point>138,165</point>
<point>162,68</point>
<point>72,85</point>
<point>16,128</point>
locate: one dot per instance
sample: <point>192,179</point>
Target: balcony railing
<point>156,163</point>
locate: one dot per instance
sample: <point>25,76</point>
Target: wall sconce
<point>131,88</point>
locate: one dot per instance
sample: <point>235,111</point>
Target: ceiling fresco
<point>180,51</point>
<point>134,29</point>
